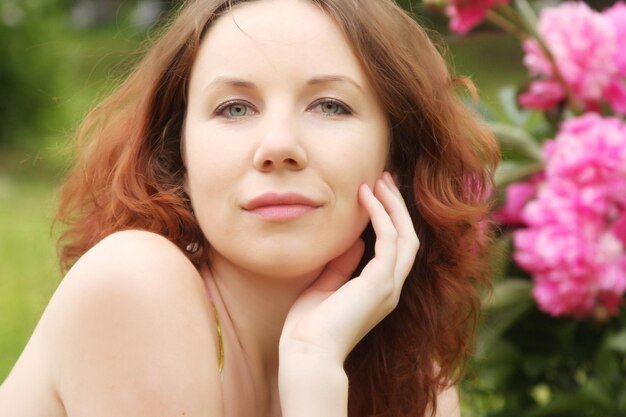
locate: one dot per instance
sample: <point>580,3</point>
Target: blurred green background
<point>58,58</point>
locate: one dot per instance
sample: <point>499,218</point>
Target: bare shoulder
<point>134,266</point>
<point>130,272</point>
<point>129,332</point>
<point>133,251</point>
<point>448,403</point>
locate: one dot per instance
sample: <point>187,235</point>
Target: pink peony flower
<point>516,197</point>
<point>465,14</point>
<point>619,228</point>
<point>575,242</point>
<point>542,95</point>
<point>586,48</point>
<point>615,95</point>
<point>617,16</point>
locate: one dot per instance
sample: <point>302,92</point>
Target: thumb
<point>338,271</point>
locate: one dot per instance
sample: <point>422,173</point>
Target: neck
<point>255,308</point>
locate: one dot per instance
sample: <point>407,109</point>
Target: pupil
<point>331,107</point>
<point>237,110</point>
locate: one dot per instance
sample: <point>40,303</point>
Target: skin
<point>277,103</point>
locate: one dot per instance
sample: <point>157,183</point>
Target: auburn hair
<point>129,175</point>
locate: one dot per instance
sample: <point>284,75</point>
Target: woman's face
<point>282,127</point>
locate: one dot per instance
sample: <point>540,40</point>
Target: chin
<point>288,262</point>
<point>289,252</point>
<point>287,271</point>
<point>286,259</point>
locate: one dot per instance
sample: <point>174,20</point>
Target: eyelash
<point>345,110</point>
<point>224,106</point>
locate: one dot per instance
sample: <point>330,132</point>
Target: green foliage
<point>529,364</point>
<point>46,65</point>
<point>22,76</point>
<point>539,366</point>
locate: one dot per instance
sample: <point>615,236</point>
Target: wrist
<point>312,386</point>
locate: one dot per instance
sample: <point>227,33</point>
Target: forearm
<point>312,388</point>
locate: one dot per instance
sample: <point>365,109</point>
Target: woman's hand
<point>331,316</point>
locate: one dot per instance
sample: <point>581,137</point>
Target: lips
<point>281,207</point>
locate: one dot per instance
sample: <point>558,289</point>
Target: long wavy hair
<point>129,175</point>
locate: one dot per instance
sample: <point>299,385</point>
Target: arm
<point>129,333</point>
<point>331,316</point>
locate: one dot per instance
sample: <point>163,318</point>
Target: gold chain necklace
<point>219,338</point>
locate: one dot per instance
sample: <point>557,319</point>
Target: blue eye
<point>330,107</point>
<point>234,109</point>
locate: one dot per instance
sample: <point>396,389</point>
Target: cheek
<point>365,167</point>
<point>372,153</point>
<point>205,185</point>
<point>211,159</point>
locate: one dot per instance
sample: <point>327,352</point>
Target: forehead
<point>286,37</point>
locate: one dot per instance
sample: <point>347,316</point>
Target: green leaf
<point>510,300</point>
<point>563,405</point>
<point>500,256</point>
<point>617,342</point>
<point>509,293</point>
<point>509,172</point>
<point>507,97</point>
<point>528,15</point>
<point>606,365</point>
<point>601,394</point>
<point>535,365</point>
<point>621,399</point>
<point>498,365</point>
<point>517,140</point>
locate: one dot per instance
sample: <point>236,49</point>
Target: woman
<point>221,206</point>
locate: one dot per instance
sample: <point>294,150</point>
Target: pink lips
<point>281,207</point>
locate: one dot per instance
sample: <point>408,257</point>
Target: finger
<point>338,271</point>
<point>393,185</point>
<point>389,195</point>
<point>359,304</point>
<point>386,234</point>
<point>407,242</point>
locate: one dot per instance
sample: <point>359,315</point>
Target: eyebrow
<point>236,82</point>
<point>322,79</point>
<point>332,79</point>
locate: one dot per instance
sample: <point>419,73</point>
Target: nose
<point>280,148</point>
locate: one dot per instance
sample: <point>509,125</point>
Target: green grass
<point>28,269</point>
